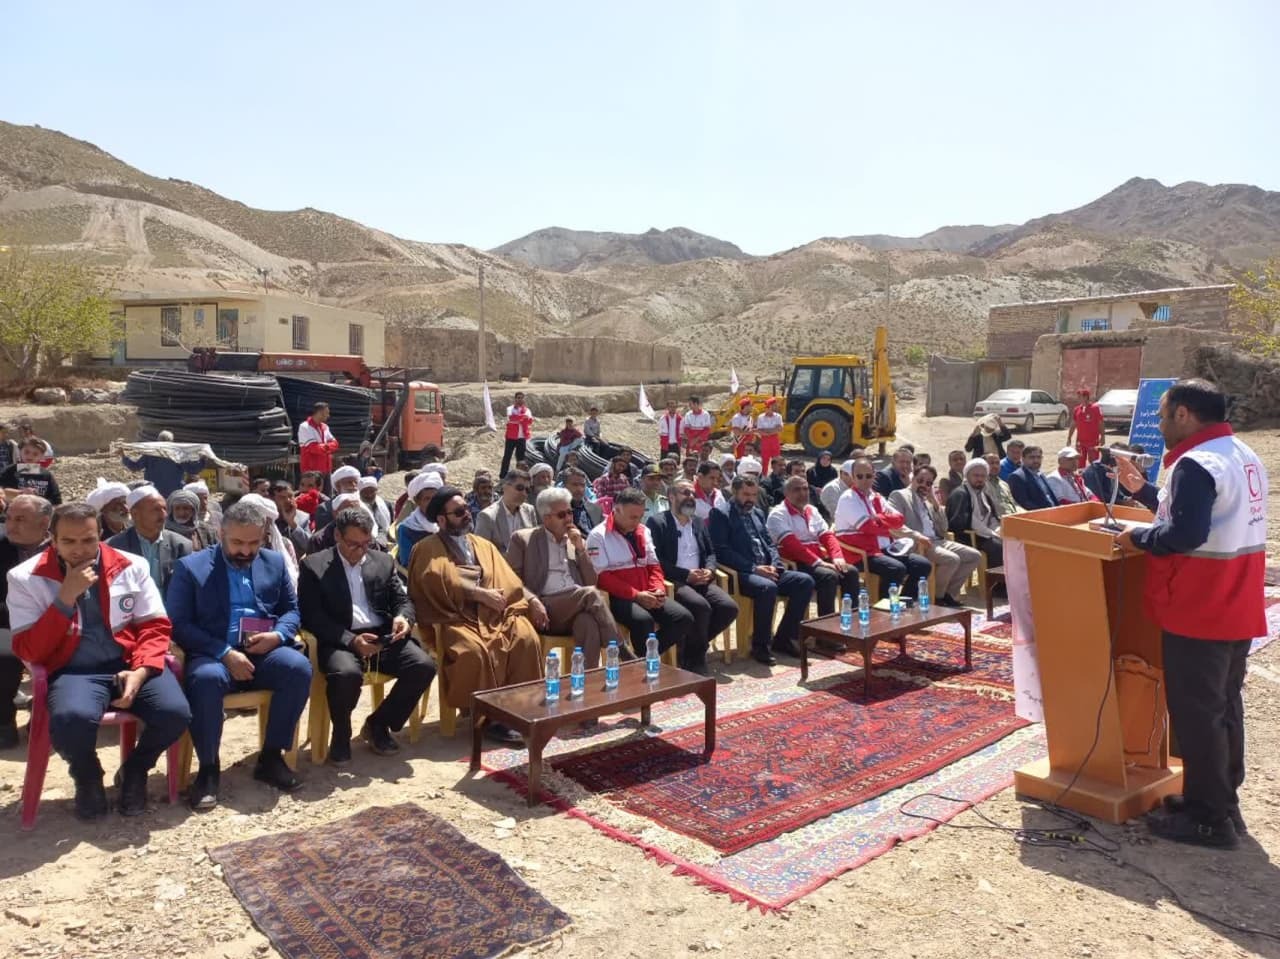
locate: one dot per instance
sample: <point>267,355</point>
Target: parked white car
<point>1118,406</point>
<point>1025,409</point>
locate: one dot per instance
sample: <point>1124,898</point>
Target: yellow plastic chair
<point>318,718</point>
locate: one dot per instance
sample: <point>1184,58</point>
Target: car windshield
<point>1008,396</point>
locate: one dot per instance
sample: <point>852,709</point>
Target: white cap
<point>351,499</point>
<point>1068,451</point>
<point>847,467</point>
<point>972,465</point>
<point>199,487</point>
<point>727,458</point>
<point>368,481</point>
<point>749,464</point>
<point>436,468</point>
<point>105,493</point>
<point>424,481</point>
<point>343,473</point>
<point>138,495</point>
<point>540,468</point>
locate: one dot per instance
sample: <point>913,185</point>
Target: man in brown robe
<point>459,581</point>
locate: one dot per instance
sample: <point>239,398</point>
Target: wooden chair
<point>872,580</point>
<point>745,626</point>
<point>994,577</point>
<point>318,718</point>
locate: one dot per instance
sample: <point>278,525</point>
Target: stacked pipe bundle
<point>241,417</point>
<point>350,407</point>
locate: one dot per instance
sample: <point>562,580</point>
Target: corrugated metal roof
<point>1114,297</point>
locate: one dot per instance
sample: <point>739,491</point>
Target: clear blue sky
<point>768,124</point>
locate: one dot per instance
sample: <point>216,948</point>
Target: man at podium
<point>1204,589</point>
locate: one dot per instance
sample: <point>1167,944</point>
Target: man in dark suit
<point>684,549</point>
<point>741,542</point>
<point>1027,484</point>
<point>357,608</point>
<point>211,593</point>
<point>586,514</point>
<point>896,475</point>
<point>161,548</point>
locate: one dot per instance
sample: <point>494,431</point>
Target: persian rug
<point>386,883</point>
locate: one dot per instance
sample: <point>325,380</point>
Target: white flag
<point>646,407</point>
<point>488,409</point>
<point>733,380</point>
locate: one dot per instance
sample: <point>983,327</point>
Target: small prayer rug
<point>386,883</point>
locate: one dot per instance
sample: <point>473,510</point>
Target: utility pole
<point>483,370</point>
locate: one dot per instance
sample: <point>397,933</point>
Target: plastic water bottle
<point>864,607</point>
<point>577,673</point>
<point>611,667</point>
<point>895,604</point>
<point>846,614</point>
<point>553,676</point>
<point>652,658</point>
<point>922,595</point>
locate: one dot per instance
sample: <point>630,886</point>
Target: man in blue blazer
<point>1029,487</point>
<point>741,542</point>
<point>211,593</point>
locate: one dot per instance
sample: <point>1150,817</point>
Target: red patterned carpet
<point>780,767</point>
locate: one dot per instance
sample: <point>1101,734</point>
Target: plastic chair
<point>318,717</point>
<point>39,745</point>
<point>255,699</point>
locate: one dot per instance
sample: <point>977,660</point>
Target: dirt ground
<point>145,887</point>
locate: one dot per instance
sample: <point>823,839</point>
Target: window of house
<point>1094,324</point>
<point>355,339</point>
<point>170,326</point>
<point>301,332</point>
<point>229,329</point>
<point>1162,314</point>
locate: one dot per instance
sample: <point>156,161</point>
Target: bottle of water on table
<point>846,614</point>
<point>922,595</point>
<point>612,668</point>
<point>864,607</point>
<point>577,673</point>
<point>652,658</point>
<point>553,676</point>
<point>895,602</point>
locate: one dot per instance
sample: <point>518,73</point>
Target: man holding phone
<point>235,615</point>
<point>93,617</point>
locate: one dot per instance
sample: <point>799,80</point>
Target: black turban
<point>437,502</point>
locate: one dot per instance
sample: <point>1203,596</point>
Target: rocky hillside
<point>566,251</point>
<point>674,286</point>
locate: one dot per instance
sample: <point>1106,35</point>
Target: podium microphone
<point>1144,462</point>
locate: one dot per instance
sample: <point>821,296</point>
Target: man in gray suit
<point>553,562</point>
<point>147,537</point>
<point>497,521</point>
<point>953,562</point>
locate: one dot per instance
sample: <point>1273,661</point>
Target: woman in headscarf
<point>184,509</point>
<point>272,538</point>
<point>989,436</point>
<point>819,475</point>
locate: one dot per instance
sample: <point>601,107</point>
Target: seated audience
<point>1029,487</point>
<point>953,561</point>
<point>481,494</point>
<point>587,514</point>
<point>837,487</point>
<point>147,537</point>
<point>972,508</point>
<point>377,508</point>
<point>511,512</point>
<point>1066,482</point>
<point>184,512</point>
<point>1012,458</point>
<point>708,496</point>
<point>416,527</point>
<point>113,513</point>
<point>897,475</point>
<point>26,533</point>
<point>655,501</point>
<point>803,537</point>
<point>292,522</point>
<point>864,521</point>
<point>999,488</point>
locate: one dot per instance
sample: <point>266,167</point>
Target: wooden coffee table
<point>525,709</point>
<point>881,628</point>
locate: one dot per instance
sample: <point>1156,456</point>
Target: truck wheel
<point>825,431</point>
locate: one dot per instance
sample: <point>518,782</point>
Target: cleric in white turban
<point>416,526</point>
<point>109,499</point>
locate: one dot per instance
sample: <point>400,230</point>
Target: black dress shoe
<point>764,656</point>
<point>274,771</point>
<point>8,735</point>
<point>203,794</point>
<point>1178,803</point>
<point>379,739</point>
<point>91,799</point>
<point>950,602</point>
<point>1181,827</point>
<point>132,783</point>
<point>340,750</point>
<point>787,647</point>
<point>503,734</point>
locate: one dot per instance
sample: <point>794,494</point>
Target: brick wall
<point>1012,330</point>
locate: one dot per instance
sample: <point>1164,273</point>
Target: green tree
<point>51,306</point>
<point>1255,308</point>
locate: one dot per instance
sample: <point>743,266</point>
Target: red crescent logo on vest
<point>1254,480</point>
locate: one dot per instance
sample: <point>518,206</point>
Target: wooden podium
<point>1096,650</point>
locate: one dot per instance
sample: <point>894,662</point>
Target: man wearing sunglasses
<point>864,521</point>
<point>511,512</point>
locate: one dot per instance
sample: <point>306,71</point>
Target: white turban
<point>540,468</point>
<point>199,487</point>
<point>436,468</point>
<point>367,482</point>
<point>278,543</point>
<point>424,481</point>
<point>348,498</point>
<point>847,467</point>
<point>105,493</point>
<point>749,464</point>
<point>973,464</point>
<point>727,458</point>
<point>267,507</point>
<point>343,473</point>
<point>141,493</point>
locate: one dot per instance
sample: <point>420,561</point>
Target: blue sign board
<point>1145,429</point>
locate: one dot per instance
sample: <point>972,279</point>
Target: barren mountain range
<point>671,286</point>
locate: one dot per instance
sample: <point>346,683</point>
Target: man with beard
<point>113,513</point>
<point>972,508</point>
<point>803,537</point>
<point>235,615</point>
<point>292,522</point>
<point>26,533</point>
<point>462,583</point>
<point>147,537</point>
<point>587,515</point>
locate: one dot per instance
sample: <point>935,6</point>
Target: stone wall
<point>1251,382</point>
<point>453,354</point>
<point>602,361</point>
<point>75,430</point>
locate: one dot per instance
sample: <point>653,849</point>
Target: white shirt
<point>782,522</point>
<point>558,578</point>
<point>669,427</point>
<point>697,421</point>
<point>687,554</point>
<point>1063,487</point>
<point>852,511</point>
<point>362,616</point>
<point>741,421</point>
<point>769,421</point>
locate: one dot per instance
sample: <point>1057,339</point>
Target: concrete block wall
<point>453,354</point>
<point>603,361</point>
